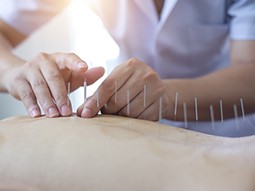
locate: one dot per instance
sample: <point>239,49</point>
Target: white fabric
<point>191,39</point>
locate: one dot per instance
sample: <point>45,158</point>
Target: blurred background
<point>76,29</point>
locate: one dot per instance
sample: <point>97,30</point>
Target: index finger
<point>105,91</point>
<point>70,61</point>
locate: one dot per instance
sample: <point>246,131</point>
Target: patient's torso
<point>117,153</point>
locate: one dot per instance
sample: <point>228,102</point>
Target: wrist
<point>8,73</point>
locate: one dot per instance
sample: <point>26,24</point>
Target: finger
<point>151,112</point>
<point>120,99</point>
<point>105,91</point>
<point>29,100</point>
<point>56,87</point>
<point>133,108</point>
<point>157,109</point>
<point>138,103</point>
<point>93,74</point>
<point>135,85</point>
<point>70,61</point>
<point>42,93</point>
<point>80,109</point>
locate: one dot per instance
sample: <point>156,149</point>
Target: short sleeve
<point>28,15</point>
<point>242,23</point>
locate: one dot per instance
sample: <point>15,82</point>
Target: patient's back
<point>117,153</point>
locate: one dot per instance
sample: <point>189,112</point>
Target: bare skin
<point>229,84</point>
<point>118,153</point>
<point>48,76</point>
<point>42,80</point>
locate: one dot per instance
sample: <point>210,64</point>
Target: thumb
<point>93,74</point>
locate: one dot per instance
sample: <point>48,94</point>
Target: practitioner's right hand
<point>43,81</point>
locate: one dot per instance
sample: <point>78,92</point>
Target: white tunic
<point>191,38</point>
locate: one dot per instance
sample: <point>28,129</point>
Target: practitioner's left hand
<point>132,76</point>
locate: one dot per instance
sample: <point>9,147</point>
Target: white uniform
<point>191,39</point>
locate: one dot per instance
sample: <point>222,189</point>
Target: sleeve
<point>28,15</point>
<point>242,23</point>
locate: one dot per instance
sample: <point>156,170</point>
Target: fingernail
<point>53,112</point>
<point>86,113</point>
<point>82,65</point>
<point>65,110</point>
<point>35,113</point>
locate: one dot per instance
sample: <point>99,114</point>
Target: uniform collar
<point>149,9</point>
<point>167,9</point>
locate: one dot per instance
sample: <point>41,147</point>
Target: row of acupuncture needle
<point>160,114</point>
<point>212,115</point>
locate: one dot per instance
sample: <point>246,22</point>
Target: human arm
<point>229,84</point>
<point>43,80</point>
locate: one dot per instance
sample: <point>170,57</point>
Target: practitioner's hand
<point>132,76</point>
<point>43,81</point>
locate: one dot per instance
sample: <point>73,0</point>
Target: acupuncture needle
<point>97,99</point>
<point>196,111</point>
<point>221,112</point>
<point>68,93</point>
<point>160,108</point>
<point>128,104</point>
<point>242,109</point>
<point>160,115</point>
<point>236,116</point>
<point>212,117</point>
<point>175,105</point>
<point>144,95</point>
<point>185,115</point>
<point>85,90</point>
<point>144,98</point>
<point>115,96</point>
<point>128,107</point>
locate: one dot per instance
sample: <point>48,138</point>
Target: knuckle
<point>19,77</point>
<point>39,83</point>
<point>132,61</point>
<point>54,75</point>
<point>24,69</point>
<point>159,91</point>
<point>149,75</point>
<point>72,58</point>
<point>26,95</point>
<point>60,99</point>
<point>42,56</point>
<point>29,65</point>
<point>67,58</point>
<point>71,54</point>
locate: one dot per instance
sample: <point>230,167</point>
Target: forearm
<point>9,38</point>
<point>7,61</point>
<point>228,85</point>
